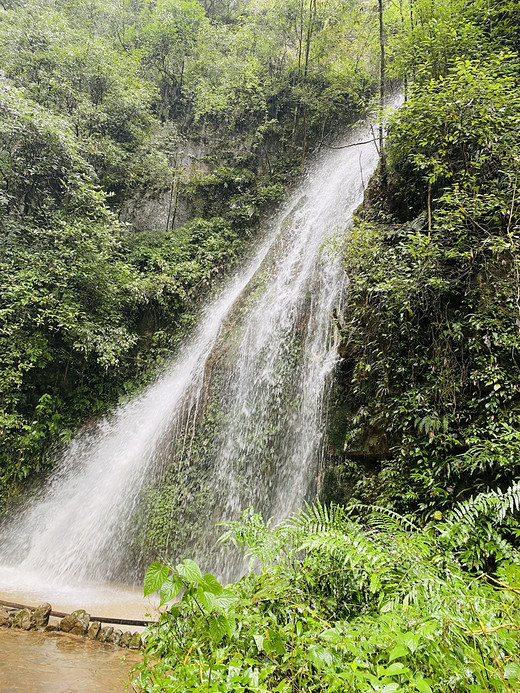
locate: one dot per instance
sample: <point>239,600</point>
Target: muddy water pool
<point>58,663</point>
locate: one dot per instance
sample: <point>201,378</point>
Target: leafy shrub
<point>341,604</point>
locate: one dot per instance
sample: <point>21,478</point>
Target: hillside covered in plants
<point>410,581</point>
<point>431,333</point>
<point>141,148</point>
<point>140,145</point>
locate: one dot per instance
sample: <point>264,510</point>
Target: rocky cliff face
<point>150,210</point>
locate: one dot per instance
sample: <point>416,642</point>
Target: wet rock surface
<point>23,620</point>
<point>105,634</point>
<point>41,615</point>
<point>93,630</point>
<point>125,639</point>
<point>5,618</point>
<point>75,623</point>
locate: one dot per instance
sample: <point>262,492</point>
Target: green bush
<point>344,604</point>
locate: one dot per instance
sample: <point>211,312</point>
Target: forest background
<point>140,145</point>
<point>207,112</point>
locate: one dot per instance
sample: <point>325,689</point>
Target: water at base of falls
<point>237,420</point>
<point>38,662</point>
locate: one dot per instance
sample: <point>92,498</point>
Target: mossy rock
<point>75,623</point>
<point>24,620</point>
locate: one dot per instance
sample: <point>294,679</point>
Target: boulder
<point>23,619</point>
<point>125,639</point>
<point>105,633</point>
<point>93,630</point>
<point>5,618</point>
<point>135,642</point>
<point>75,623</point>
<point>41,616</point>
<point>116,636</point>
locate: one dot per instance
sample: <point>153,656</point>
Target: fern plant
<point>346,599</point>
<point>482,531</point>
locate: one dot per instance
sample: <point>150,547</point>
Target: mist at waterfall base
<point>237,420</point>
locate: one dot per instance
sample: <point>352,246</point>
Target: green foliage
<point>432,360</point>
<point>175,266</point>
<point>63,287</point>
<point>431,334</point>
<point>235,193</point>
<point>427,36</point>
<point>168,39</point>
<point>462,128</point>
<point>85,80</point>
<point>114,106</point>
<point>342,604</point>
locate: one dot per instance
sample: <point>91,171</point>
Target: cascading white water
<point>269,378</point>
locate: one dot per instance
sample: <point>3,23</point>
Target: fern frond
<point>375,511</point>
<point>477,528</point>
<point>500,503</point>
<point>320,518</point>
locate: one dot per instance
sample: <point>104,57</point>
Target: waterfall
<point>236,420</point>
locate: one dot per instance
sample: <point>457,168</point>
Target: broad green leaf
<point>274,643</point>
<point>155,576</point>
<point>396,669</point>
<point>428,628</point>
<point>331,635</point>
<point>411,640</point>
<point>251,677</point>
<point>211,584</point>
<point>218,627</point>
<point>259,642</point>
<point>207,600</point>
<point>189,571</point>
<point>391,688</point>
<point>171,588</point>
<point>225,600</point>
<point>422,685</point>
<point>399,651</point>
<point>512,671</point>
<point>320,656</point>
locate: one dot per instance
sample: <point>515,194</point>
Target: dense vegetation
<point>431,335</point>
<point>347,601</point>
<point>203,111</point>
<point>419,592</point>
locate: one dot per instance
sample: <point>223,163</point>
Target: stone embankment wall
<point>76,623</point>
